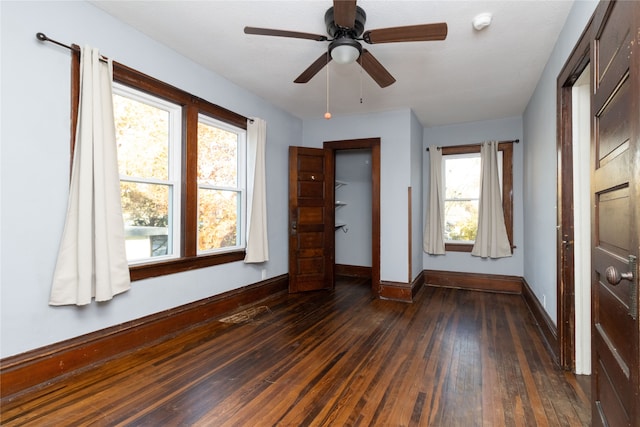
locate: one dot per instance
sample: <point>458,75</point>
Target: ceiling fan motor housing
<point>337,32</point>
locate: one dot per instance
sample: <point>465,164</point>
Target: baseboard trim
<point>399,291</point>
<point>24,371</point>
<point>474,281</point>
<point>548,329</point>
<point>353,271</point>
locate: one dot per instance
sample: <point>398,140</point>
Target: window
<point>148,136</point>
<point>221,178</point>
<point>461,177</point>
<point>182,175</point>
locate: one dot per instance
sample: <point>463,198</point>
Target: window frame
<point>507,188</point>
<point>192,106</point>
<point>240,187</point>
<point>174,166</point>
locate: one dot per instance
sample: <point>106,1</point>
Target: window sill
<point>458,247</point>
<point>144,271</point>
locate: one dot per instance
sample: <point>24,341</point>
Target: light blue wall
<point>393,128</point>
<point>417,214</point>
<point>35,171</point>
<point>474,133</point>
<point>540,174</point>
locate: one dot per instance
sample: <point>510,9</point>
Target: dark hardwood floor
<point>341,358</point>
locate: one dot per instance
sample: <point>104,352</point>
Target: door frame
<point>577,62</point>
<point>374,145</point>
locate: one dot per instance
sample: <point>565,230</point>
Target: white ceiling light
<point>345,50</point>
<point>482,21</point>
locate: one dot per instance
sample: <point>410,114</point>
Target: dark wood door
<point>616,215</point>
<point>311,220</point>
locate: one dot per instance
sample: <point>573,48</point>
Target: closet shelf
<point>340,183</point>
<point>339,203</point>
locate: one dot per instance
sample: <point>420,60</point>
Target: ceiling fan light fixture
<point>345,50</point>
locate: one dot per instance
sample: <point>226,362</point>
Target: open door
<point>615,155</point>
<point>311,220</point>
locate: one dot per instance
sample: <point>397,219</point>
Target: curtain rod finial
<point>42,37</point>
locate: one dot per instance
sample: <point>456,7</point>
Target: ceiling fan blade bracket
<point>352,27</point>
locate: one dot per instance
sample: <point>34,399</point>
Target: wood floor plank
<point>339,358</point>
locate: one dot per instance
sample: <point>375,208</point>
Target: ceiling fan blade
<point>283,33</point>
<point>344,13</point>
<point>313,69</point>
<point>411,33</point>
<point>375,69</point>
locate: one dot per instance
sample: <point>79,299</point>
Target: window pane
<point>147,218</point>
<point>462,177</point>
<point>217,156</point>
<point>461,220</point>
<point>141,128</point>
<point>218,219</point>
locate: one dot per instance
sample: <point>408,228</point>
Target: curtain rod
<point>473,145</point>
<point>43,38</point>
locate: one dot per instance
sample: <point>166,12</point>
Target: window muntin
<point>148,138</point>
<point>221,186</point>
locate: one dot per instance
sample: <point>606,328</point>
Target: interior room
<point>376,327</point>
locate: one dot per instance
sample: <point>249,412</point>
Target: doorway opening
<point>581,123</point>
<point>353,212</point>
<point>357,150</point>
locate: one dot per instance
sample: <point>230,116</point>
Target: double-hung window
<point>148,138</point>
<point>221,184</point>
<point>182,165</point>
<point>461,178</point>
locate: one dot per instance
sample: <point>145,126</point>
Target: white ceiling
<point>470,76</point>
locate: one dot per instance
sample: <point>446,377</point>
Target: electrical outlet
<point>544,301</point>
<point>264,273</point>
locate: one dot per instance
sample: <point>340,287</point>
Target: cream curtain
<point>491,239</point>
<point>92,262</point>
<point>257,244</point>
<point>433,239</point>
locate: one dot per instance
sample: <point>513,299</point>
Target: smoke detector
<point>482,21</point>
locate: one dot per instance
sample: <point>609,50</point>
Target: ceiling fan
<point>345,26</point>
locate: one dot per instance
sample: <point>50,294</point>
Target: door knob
<point>614,276</point>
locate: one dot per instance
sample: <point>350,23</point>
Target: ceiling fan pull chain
<point>327,115</point>
<point>360,78</point>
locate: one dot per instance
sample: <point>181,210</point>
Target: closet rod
<point>473,145</point>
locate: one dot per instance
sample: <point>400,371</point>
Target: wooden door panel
<point>310,221</point>
<point>311,190</point>
<point>616,337</point>
<point>613,50</point>
<point>614,206</point>
<point>614,313</point>
<point>610,399</point>
<point>310,216</point>
<point>614,131</point>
